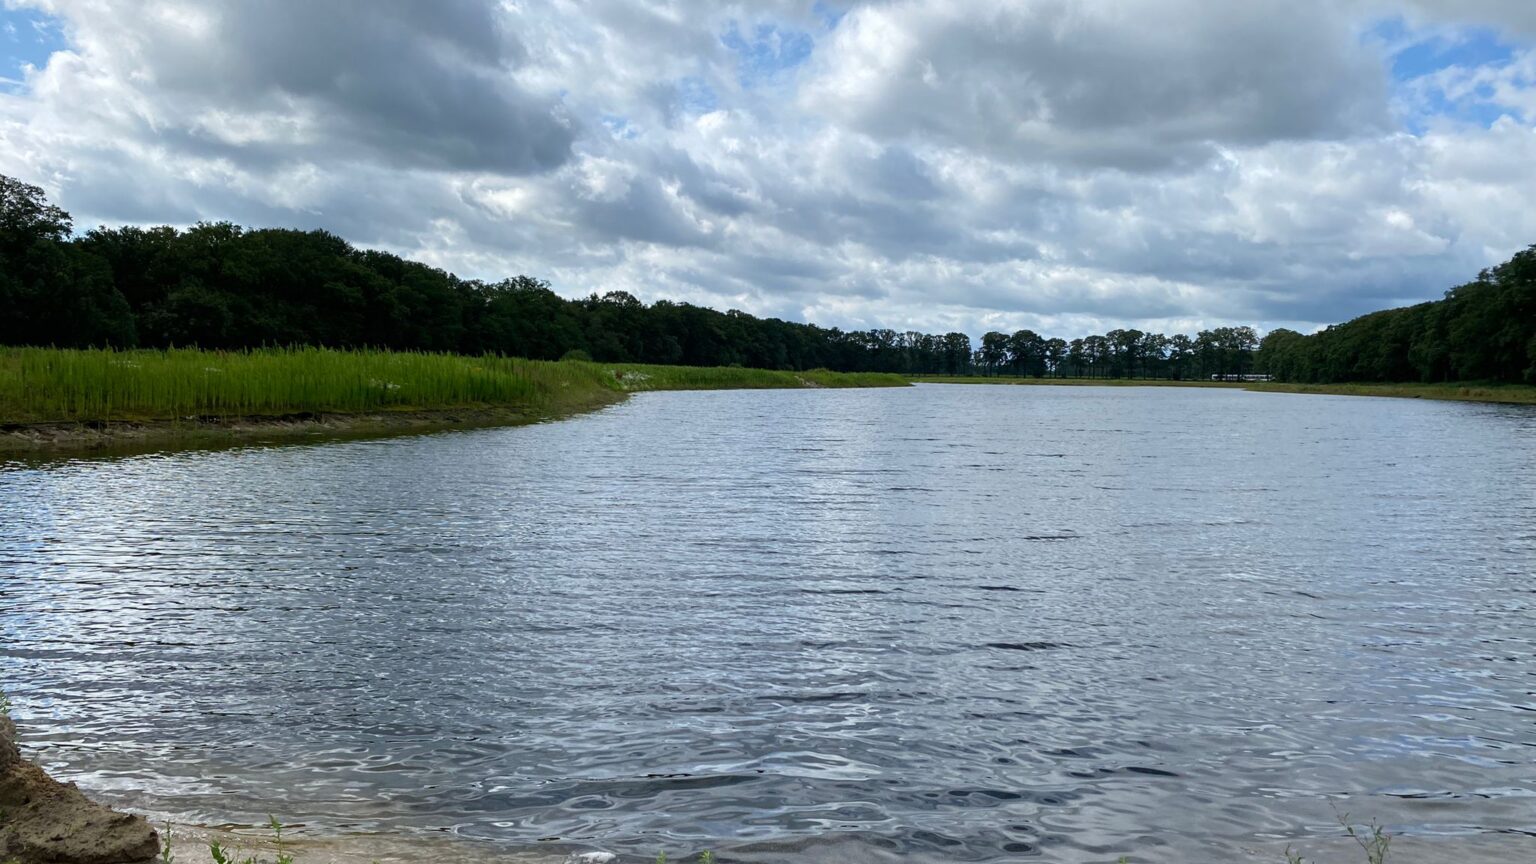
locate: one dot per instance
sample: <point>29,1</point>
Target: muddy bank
<point>190,845</point>
<point>43,821</point>
<point>131,436</point>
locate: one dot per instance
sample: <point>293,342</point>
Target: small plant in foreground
<point>1376,844</point>
<point>277,834</point>
<point>167,854</point>
<point>221,854</point>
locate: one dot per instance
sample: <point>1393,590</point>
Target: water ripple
<point>959,624</point>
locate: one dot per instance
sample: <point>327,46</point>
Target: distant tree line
<point>1482,331</point>
<point>220,286</point>
<point>1119,354</point>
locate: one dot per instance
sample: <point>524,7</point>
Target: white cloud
<point>1061,166</point>
<point>1516,17</point>
<point>1136,84</point>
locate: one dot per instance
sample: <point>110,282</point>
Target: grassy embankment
<point>1514,394</point>
<point>51,397</point>
<point>1066,382</point>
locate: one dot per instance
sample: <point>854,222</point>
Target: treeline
<point>220,286</point>
<point>1120,354</point>
<point>1482,331</point>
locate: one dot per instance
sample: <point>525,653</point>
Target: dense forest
<point>218,286</point>
<point>1482,331</point>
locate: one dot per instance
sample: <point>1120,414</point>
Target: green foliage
<point>1376,844</point>
<point>222,854</point>
<point>221,286</point>
<point>1373,840</point>
<point>43,384</point>
<point>633,377</point>
<point>26,216</point>
<point>283,856</point>
<point>51,291</point>
<point>5,705</point>
<point>86,385</point>
<point>1523,394</point>
<point>1484,331</point>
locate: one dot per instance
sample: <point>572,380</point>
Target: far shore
<point>1507,394</point>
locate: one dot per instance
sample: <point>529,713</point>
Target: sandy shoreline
<point>190,844</point>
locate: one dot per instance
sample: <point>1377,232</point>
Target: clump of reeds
<point>41,385</point>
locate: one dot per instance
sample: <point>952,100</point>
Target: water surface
<point>945,622</point>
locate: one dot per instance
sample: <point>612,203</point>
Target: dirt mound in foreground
<point>43,821</point>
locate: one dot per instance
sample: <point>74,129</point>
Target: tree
<point>52,292</point>
<point>994,352</point>
<point>1055,352</point>
<point>26,217</point>
<point>957,353</point>
<point>1127,347</point>
<point>1181,350</point>
<point>219,285</point>
<point>1026,353</point>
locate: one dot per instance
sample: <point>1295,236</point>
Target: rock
<point>9,755</point>
<point>591,858</point>
<point>43,821</point>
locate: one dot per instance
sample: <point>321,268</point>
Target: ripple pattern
<point>949,623</point>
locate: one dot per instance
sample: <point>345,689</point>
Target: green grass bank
<point>1510,394</point>
<point>1067,382</point>
<point>65,398</point>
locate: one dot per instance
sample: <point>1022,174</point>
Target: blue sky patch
<point>695,96</point>
<point>1416,56</point>
<point>830,15</point>
<point>765,50</point>
<point>619,126</point>
<point>26,37</point>
<point>1468,48</point>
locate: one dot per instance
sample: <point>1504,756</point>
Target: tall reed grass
<point>41,385</point>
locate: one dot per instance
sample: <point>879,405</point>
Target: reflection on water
<point>956,623</point>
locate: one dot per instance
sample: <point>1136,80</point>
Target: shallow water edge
<point>129,437</point>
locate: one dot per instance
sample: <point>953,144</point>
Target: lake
<point>951,623</point>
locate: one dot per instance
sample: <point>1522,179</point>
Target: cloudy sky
<point>1063,165</point>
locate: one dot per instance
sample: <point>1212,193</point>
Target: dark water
<point>956,623</point>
